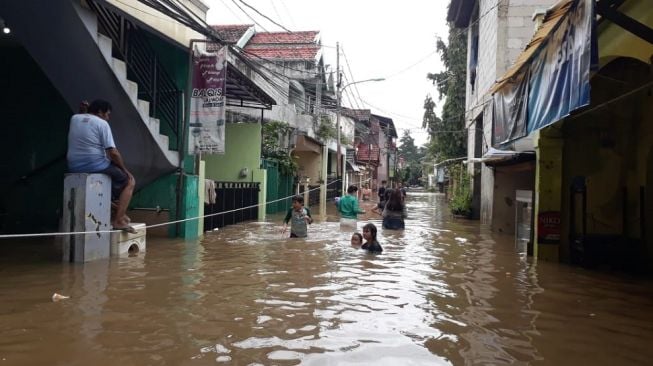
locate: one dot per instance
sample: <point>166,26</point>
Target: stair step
<point>154,125</point>
<point>144,108</point>
<point>105,45</point>
<point>119,68</point>
<point>132,90</point>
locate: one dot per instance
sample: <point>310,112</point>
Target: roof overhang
<point>352,167</point>
<point>243,92</point>
<point>307,144</point>
<point>495,157</point>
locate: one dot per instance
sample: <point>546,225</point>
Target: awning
<point>352,167</point>
<point>496,157</point>
<point>305,143</point>
<point>243,92</point>
<point>551,77</point>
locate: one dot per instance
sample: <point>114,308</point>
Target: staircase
<point>64,38</point>
<point>119,67</point>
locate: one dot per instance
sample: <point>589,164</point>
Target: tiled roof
<point>387,124</point>
<point>269,38</point>
<point>231,33</point>
<point>293,46</point>
<point>284,52</point>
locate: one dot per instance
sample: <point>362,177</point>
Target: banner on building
<point>208,102</point>
<point>555,79</point>
<point>510,111</point>
<point>560,72</point>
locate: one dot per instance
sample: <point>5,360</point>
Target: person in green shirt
<point>299,218</point>
<point>348,207</point>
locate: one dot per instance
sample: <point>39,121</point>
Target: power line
<point>231,11</point>
<point>412,65</point>
<point>265,16</point>
<point>287,12</point>
<point>249,16</point>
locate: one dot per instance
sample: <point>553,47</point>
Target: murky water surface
<point>443,292</point>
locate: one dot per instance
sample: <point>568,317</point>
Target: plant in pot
<point>461,197</point>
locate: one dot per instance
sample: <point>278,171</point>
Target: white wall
<point>163,23</point>
<point>504,31</point>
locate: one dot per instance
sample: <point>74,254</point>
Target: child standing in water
<point>356,240</point>
<point>299,217</point>
<point>371,244</point>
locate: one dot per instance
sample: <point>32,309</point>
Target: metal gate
<point>232,196</point>
<point>278,186</point>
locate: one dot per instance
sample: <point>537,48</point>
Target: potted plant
<point>461,194</point>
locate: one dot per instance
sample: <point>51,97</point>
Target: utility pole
<point>325,150</point>
<point>338,168</point>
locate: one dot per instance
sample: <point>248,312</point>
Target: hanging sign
<point>208,102</point>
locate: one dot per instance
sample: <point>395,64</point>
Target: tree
<point>412,171</point>
<point>449,139</point>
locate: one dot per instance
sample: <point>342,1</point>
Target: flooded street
<point>443,292</point>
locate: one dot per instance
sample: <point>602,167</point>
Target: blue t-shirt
<point>88,138</point>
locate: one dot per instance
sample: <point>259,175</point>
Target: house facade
<point>497,32</point>
<point>579,93</point>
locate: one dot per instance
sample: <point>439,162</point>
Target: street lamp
<point>338,99</point>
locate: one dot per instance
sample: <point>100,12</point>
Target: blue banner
<point>560,71</point>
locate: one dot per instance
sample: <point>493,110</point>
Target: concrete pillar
<point>323,186</point>
<point>261,175</point>
<point>86,207</point>
<point>548,194</point>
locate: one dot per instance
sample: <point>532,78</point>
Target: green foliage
<point>412,171</point>
<point>346,140</point>
<point>326,130</point>
<point>273,132</point>
<point>461,194</point>
<point>448,137</point>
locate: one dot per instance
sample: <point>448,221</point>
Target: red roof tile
<point>231,33</point>
<point>285,53</point>
<point>308,37</point>
<point>285,45</point>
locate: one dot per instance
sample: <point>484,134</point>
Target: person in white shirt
<point>91,149</point>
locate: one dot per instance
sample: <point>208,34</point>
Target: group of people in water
<point>390,207</point>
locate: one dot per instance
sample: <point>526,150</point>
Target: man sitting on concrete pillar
<point>91,149</point>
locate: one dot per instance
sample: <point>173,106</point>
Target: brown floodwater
<point>443,292</point>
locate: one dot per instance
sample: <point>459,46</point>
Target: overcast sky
<point>390,39</point>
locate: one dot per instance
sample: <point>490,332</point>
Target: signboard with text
<point>548,227</point>
<point>208,102</point>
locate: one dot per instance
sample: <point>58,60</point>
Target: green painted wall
<point>189,229</point>
<point>35,122</point>
<point>162,193</point>
<point>242,150</point>
<point>175,62</point>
